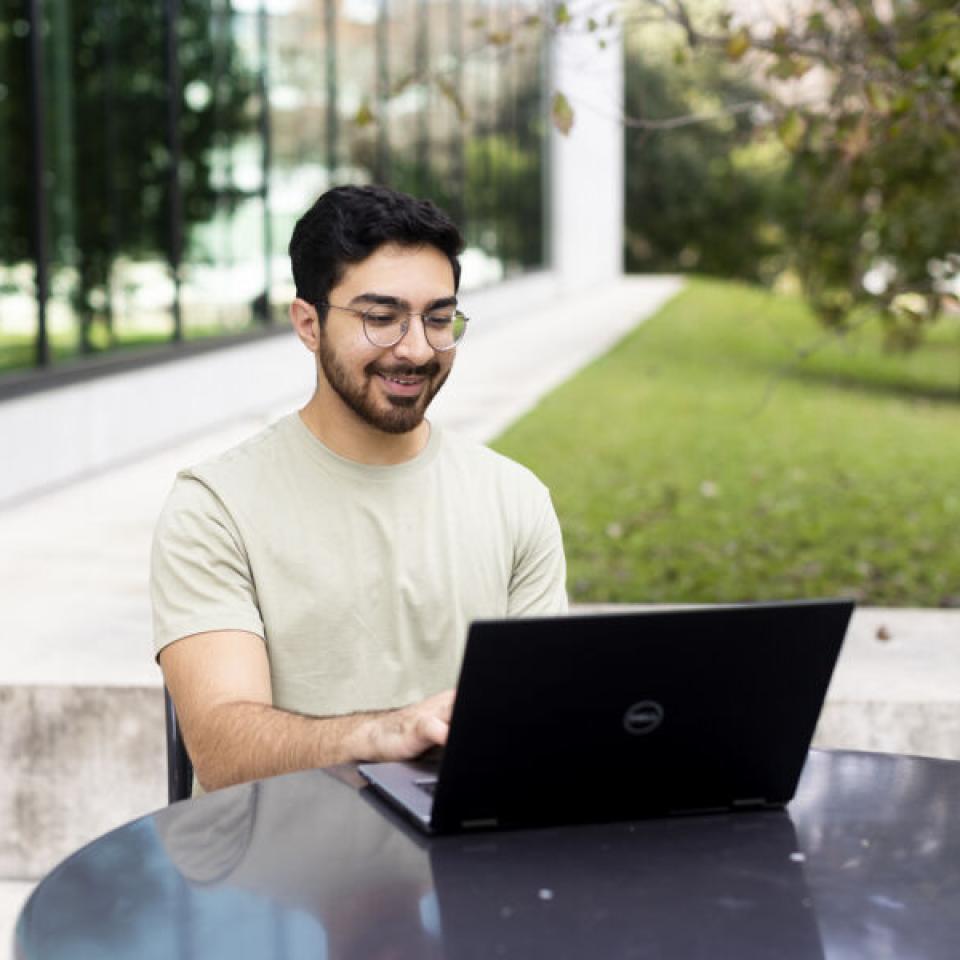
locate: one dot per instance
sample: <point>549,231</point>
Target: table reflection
<point>697,887</point>
<point>865,863</point>
<point>882,839</point>
<point>280,869</point>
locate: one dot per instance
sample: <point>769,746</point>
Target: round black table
<point>865,863</point>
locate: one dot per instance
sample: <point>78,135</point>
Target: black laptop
<point>621,716</point>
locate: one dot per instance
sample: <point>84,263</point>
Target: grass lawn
<point>703,459</point>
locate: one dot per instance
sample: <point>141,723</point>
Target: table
<point>865,863</point>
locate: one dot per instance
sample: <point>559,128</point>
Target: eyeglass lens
<point>386,326</point>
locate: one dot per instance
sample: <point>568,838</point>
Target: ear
<point>303,317</point>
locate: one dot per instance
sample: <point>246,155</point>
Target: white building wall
<point>587,164</point>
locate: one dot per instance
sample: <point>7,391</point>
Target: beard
<point>393,414</point>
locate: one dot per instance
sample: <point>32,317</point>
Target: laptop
<point>622,716</point>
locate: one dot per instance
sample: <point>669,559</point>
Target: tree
<point>109,156</point>
<point>865,98</point>
<point>703,195</point>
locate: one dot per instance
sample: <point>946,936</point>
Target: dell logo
<point>643,717</point>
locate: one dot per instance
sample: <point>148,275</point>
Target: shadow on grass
<point>889,386</point>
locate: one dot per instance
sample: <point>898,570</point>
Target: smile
<point>402,386</point>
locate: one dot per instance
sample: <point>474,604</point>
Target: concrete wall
<point>77,761</point>
<point>67,432</point>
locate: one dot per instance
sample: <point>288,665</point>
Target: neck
<point>350,437</point>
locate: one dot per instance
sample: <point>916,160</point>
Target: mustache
<point>430,369</point>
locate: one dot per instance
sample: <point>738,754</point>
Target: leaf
<point>788,67</point>
<point>791,129</point>
<point>857,140</point>
<point>903,102</point>
<point>561,113</point>
<point>561,15</point>
<point>402,84</point>
<point>500,38</point>
<point>877,97</point>
<point>450,92</point>
<point>592,25</point>
<point>364,116</point>
<point>738,44</point>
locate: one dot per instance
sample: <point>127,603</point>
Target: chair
<point>179,765</point>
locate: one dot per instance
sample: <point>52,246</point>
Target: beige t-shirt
<point>361,579</point>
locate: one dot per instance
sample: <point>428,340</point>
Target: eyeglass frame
<point>404,324</point>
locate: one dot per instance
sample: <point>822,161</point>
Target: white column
<point>586,188</point>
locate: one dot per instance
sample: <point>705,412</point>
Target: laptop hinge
<point>479,823</point>
<point>751,802</point>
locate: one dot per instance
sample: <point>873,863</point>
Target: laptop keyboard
<point>428,786</point>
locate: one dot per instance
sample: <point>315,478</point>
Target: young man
<point>312,587</point>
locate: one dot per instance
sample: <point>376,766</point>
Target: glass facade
<point>155,156</point>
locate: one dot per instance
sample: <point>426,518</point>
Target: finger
<point>446,707</point>
<point>433,730</point>
<point>444,704</point>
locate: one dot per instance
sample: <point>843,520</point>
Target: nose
<point>413,346</point>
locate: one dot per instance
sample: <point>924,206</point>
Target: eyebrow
<point>389,301</point>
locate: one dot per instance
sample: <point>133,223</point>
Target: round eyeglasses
<point>385,325</point>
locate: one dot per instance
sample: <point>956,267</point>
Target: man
<point>312,587</point>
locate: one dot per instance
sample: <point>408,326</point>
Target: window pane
<point>18,312</point>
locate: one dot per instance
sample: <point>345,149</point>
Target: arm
<point>220,682</point>
<point>538,582</point>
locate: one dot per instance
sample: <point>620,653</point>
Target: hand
<point>406,733</point>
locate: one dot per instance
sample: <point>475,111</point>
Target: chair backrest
<point>179,766</point>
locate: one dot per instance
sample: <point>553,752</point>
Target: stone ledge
<point>927,729</point>
<point>78,762</point>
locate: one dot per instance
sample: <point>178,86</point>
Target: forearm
<point>243,741</point>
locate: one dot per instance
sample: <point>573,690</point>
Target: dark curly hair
<point>347,224</point>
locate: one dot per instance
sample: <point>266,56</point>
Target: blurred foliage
<point>862,206</point>
<point>707,195</point>
<point>505,178</point>
<point>106,116</point>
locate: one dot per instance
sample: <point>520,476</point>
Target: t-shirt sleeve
<point>538,586</point>
<point>200,577</point>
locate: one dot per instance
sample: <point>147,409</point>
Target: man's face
<point>389,388</point>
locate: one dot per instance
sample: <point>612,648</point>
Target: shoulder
<point>247,462</point>
<point>487,465</point>
<point>493,482</point>
<point>229,485</point>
